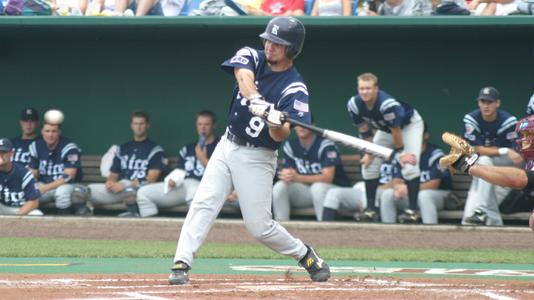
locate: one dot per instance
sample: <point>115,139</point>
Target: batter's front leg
<point>207,203</point>
<point>253,172</point>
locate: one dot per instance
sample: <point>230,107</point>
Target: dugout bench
<point>351,163</point>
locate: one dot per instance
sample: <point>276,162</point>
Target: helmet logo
<point>274,30</point>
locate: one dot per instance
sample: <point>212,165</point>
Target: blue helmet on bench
<point>286,31</point>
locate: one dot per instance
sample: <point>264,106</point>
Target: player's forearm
<point>28,207</point>
<point>245,81</point>
<point>503,176</point>
<point>396,133</point>
<point>487,151</point>
<point>309,179</point>
<point>280,133</point>
<point>153,175</point>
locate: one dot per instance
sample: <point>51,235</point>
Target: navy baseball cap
<point>29,114</point>
<point>488,93</point>
<point>5,145</point>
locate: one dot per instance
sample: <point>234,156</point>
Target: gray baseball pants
<point>348,198</point>
<point>412,135</point>
<point>100,195</point>
<point>429,202</point>
<point>151,196</point>
<point>61,195</point>
<point>250,171</point>
<point>487,196</point>
<point>287,195</point>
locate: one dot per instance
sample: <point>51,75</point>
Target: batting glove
<point>259,110</point>
<point>274,118</point>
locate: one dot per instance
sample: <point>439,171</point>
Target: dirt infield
<point>315,233</point>
<point>130,287</point>
<point>288,286</point>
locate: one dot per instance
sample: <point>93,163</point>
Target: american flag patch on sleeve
<point>301,106</point>
<point>72,157</point>
<point>331,154</point>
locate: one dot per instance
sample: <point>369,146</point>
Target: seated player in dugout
<point>491,132</point>
<point>29,123</point>
<point>311,166</point>
<point>55,163</point>
<point>434,191</point>
<point>136,163</point>
<point>192,161</point>
<point>18,192</point>
<point>398,125</point>
<point>354,198</point>
<point>464,158</point>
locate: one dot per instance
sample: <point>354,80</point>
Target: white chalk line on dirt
<point>495,296</point>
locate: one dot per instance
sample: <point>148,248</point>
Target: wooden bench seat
<point>351,163</point>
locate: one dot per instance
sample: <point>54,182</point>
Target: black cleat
<point>179,273</point>
<point>319,271</point>
<point>367,215</point>
<point>479,217</point>
<point>409,217</point>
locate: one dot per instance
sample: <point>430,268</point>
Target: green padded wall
<point>98,70</point>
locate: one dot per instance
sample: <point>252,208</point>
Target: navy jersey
<point>22,150</point>
<point>386,112</point>
<point>430,169</point>
<point>134,159</point>
<point>17,186</point>
<point>386,173</point>
<point>188,161</point>
<point>321,154</point>
<point>51,164</point>
<point>285,91</point>
<point>499,133</point>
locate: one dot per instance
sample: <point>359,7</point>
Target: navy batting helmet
<point>286,31</point>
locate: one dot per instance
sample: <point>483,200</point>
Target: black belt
<point>237,140</point>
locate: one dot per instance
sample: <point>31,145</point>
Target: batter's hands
<point>274,118</point>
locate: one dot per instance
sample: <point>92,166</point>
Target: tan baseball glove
<point>462,155</point>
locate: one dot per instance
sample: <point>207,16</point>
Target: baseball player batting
<point>463,157</point>
<point>245,158</point>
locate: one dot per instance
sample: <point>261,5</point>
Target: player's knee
<point>279,188</point>
<point>260,230</point>
<point>331,199</point>
<point>320,188</point>
<point>80,194</point>
<point>130,196</point>
<point>387,198</point>
<point>410,172</point>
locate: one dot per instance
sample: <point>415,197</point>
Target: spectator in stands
<point>55,163</point>
<point>248,7</point>
<point>328,8</point>
<point>192,159</point>
<point>450,7</point>
<point>18,192</point>
<point>405,8</point>
<point>138,162</point>
<point>492,132</point>
<point>311,166</point>
<point>370,8</point>
<point>434,189</point>
<point>140,7</point>
<point>492,7</point>
<point>354,198</point>
<point>283,7</point>
<point>29,121</point>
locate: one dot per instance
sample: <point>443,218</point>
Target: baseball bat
<point>345,139</point>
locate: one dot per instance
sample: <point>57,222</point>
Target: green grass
<point>41,247</point>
